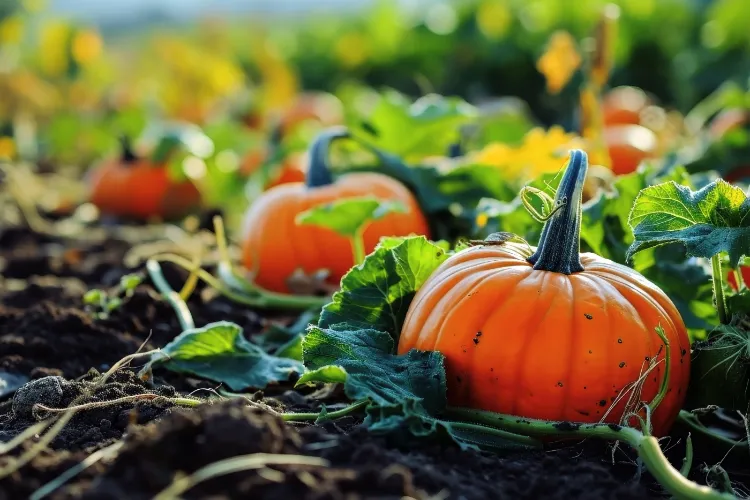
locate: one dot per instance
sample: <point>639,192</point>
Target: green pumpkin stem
<point>319,172</point>
<point>560,244</point>
<point>127,156</point>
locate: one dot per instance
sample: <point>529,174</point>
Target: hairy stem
<point>358,246</point>
<point>721,304</point>
<point>302,417</point>
<point>174,299</point>
<point>647,447</point>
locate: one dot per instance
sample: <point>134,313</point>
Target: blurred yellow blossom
<point>7,148</point>
<point>560,61</point>
<point>280,83</point>
<point>53,52</point>
<point>11,30</point>
<point>87,46</point>
<point>541,151</point>
<point>190,79</point>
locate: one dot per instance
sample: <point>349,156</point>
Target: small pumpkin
<point>624,105</point>
<point>274,246</point>
<point>139,188</point>
<point>628,146</point>
<point>550,333</point>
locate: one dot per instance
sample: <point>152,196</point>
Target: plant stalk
<point>174,299</point>
<point>721,304</point>
<point>560,243</point>
<point>647,447</point>
<point>314,416</point>
<point>358,246</point>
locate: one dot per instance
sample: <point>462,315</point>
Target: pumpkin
<point>130,186</point>
<point>628,146</point>
<point>623,106</point>
<point>547,332</point>
<point>274,246</point>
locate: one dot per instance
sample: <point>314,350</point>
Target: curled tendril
<point>549,205</point>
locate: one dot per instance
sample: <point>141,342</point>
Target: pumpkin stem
<point>127,156</point>
<point>560,243</point>
<point>319,172</point>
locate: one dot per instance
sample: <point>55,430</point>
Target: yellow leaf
<point>560,61</point>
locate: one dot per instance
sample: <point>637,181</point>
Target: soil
<point>48,336</point>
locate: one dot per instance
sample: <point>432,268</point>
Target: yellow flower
<point>52,49</point>
<point>7,148</point>
<point>560,61</point>
<point>541,151</point>
<point>87,47</point>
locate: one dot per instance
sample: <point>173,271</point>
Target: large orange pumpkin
<point>550,333</point>
<point>135,187</point>
<point>274,246</point>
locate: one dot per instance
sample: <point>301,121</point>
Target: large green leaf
<point>414,130</point>
<point>364,359</point>
<point>349,216</point>
<point>219,352</point>
<point>711,220</point>
<point>376,294</point>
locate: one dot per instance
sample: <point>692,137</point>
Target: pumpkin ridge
<point>506,290</point>
<point>310,254</point>
<point>649,334</point>
<point>438,281</point>
<point>572,356</point>
<point>466,290</point>
<point>611,331</point>
<point>455,288</point>
<point>528,339</point>
<point>615,280</point>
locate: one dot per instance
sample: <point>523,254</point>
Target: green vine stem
<point>560,243</point>
<point>358,246</point>
<point>318,172</point>
<point>721,304</point>
<point>180,307</point>
<point>242,290</point>
<point>664,388</point>
<point>691,420</point>
<point>248,294</point>
<point>647,447</point>
<point>314,416</point>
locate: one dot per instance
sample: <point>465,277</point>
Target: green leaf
<point>365,356</point>
<point>414,130</point>
<point>350,216</point>
<point>219,352</point>
<point>376,294</point>
<point>281,340</point>
<point>708,221</point>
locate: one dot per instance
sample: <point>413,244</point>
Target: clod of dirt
<point>94,426</point>
<point>47,391</point>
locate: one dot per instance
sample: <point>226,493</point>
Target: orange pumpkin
<point>628,146</point>
<point>135,187</point>
<point>292,168</point>
<point>549,333</point>
<point>274,246</point>
<point>623,105</point>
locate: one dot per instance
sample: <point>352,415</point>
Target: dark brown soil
<point>45,331</point>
